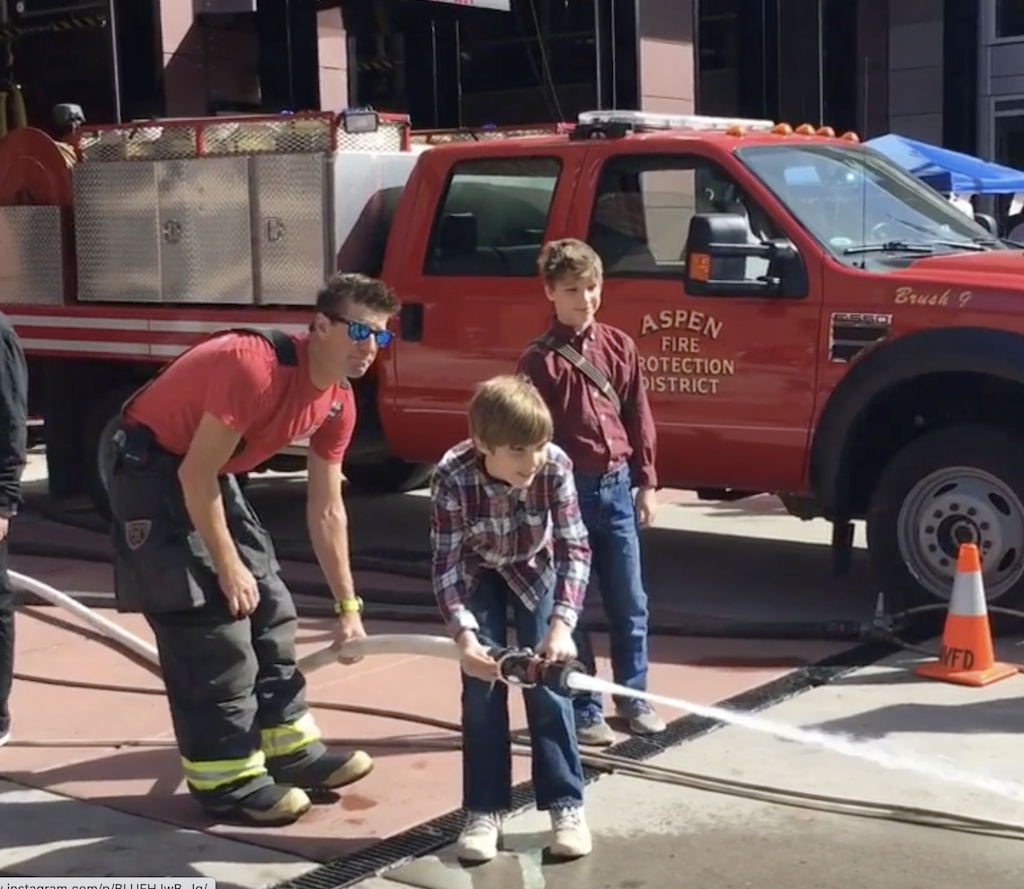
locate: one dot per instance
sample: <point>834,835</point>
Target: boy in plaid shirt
<point>506,533</point>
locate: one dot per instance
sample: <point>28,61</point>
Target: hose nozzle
<point>525,668</point>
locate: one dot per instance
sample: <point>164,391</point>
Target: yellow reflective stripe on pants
<point>213,773</point>
<point>291,737</point>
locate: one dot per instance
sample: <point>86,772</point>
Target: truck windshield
<point>855,202</point>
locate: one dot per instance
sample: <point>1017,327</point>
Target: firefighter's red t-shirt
<point>238,379</point>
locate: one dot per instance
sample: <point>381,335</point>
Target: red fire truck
<point>813,321</point>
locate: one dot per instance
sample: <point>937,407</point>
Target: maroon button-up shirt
<point>587,427</point>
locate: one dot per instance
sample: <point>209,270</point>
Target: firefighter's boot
<point>321,769</point>
<point>269,805</point>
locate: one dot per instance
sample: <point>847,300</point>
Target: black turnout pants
<point>6,641</point>
<point>227,679</point>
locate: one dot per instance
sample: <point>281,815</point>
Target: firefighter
<point>192,556</point>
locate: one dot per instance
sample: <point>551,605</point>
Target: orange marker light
<point>851,137</point>
<point>805,129</point>
<point>700,266</point>
<point>827,131</point>
<point>782,129</point>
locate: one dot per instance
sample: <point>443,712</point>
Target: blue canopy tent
<point>948,171</point>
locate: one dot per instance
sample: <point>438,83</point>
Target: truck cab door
<point>731,379</point>
<point>465,270</point>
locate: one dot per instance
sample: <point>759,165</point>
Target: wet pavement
<point>651,835</point>
<point>101,811</point>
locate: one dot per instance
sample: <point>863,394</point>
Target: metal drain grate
<point>440,832</point>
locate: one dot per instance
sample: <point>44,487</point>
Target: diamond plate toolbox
<point>116,232</point>
<point>31,256</point>
<point>290,227</point>
<point>205,234</point>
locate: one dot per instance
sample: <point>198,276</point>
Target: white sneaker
<point>571,837</point>
<point>478,841</point>
<point>4,738</point>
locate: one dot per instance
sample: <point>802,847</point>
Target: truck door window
<point>492,219</point>
<point>642,211</point>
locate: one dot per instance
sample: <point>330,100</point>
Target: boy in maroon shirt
<point>589,375</point>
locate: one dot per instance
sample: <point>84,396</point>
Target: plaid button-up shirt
<point>533,537</point>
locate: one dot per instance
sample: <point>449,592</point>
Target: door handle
<point>410,322</point>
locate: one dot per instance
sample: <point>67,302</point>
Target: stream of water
<point>881,753</point>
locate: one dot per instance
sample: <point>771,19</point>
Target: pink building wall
<point>217,62</point>
<point>665,56</point>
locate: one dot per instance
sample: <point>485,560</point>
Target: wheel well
<point>916,407</point>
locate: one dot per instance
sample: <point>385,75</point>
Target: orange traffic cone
<point>967,656</point>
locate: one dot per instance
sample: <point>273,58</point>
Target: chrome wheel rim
<point>960,505</point>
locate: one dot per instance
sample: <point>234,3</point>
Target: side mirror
<point>717,250</point>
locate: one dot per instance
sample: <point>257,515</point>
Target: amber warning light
<point>700,266</point>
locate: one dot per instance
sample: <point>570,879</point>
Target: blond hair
<point>568,259</point>
<point>508,411</point>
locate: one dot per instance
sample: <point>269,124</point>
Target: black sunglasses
<point>359,332</point>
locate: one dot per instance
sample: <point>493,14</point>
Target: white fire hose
<point>88,616</point>
<point>387,643</point>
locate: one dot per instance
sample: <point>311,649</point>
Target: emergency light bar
<point>645,120</point>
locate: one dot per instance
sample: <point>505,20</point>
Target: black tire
<point>389,476</point>
<point>964,484</point>
<point>99,429</point>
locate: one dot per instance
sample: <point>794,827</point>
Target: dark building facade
<point>873,66</point>
<point>948,71</point>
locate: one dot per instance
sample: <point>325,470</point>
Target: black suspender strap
<point>282,344</point>
<point>585,366</point>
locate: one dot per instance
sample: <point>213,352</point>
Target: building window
<point>493,218</point>
<point>1009,133</point>
<point>1009,18</point>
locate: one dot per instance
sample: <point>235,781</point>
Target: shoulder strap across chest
<point>584,365</point>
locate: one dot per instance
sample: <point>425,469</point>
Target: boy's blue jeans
<point>610,516</point>
<point>487,748</point>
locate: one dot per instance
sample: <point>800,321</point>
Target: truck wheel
<point>390,476</point>
<point>98,439</point>
<point>952,486</point>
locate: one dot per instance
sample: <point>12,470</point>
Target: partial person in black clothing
<point>13,440</point>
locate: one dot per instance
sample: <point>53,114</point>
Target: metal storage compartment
<point>31,256</point>
<point>290,227</point>
<point>117,243</point>
<point>205,234</point>
<point>230,212</point>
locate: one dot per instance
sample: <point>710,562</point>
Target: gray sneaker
<point>640,717</point>
<point>593,731</point>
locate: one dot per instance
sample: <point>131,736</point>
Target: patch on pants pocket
<point>155,569</point>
